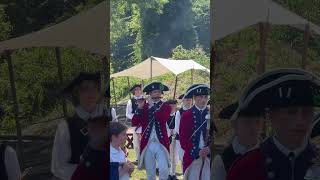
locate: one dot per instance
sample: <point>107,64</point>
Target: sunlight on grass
<point>141,174</point>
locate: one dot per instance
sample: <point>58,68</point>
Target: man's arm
<point>61,153</point>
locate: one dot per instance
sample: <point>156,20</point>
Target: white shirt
<point>129,113</point>
<point>218,169</point>
<point>177,120</point>
<point>12,164</point>
<point>61,151</point>
<point>117,155</point>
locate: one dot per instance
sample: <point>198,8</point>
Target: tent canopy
<point>249,12</point>
<point>87,30</point>
<point>159,67</point>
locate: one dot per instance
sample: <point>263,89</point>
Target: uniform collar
<point>83,114</point>
<point>151,103</point>
<point>287,151</point>
<point>199,108</point>
<point>137,97</point>
<point>185,108</point>
<point>239,148</point>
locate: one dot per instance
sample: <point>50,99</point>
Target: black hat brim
<point>79,79</point>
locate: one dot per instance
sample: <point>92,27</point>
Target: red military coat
<point>161,118</point>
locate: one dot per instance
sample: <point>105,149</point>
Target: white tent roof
<point>87,30</point>
<point>160,67</point>
<point>230,16</point>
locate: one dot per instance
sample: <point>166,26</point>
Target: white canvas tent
<point>230,16</point>
<point>154,66</point>
<point>87,30</point>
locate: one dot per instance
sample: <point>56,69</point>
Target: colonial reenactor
<point>172,138</point>
<point>132,106</point>
<point>9,164</point>
<point>185,105</point>
<point>194,131</point>
<point>153,116</point>
<point>290,96</point>
<point>93,162</point>
<point>71,134</point>
<point>246,127</point>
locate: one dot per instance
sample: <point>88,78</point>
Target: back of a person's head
<point>116,128</point>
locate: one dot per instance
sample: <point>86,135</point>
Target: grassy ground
<point>141,174</point>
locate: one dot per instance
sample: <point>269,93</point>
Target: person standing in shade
<point>194,133</point>
<point>172,138</point>
<point>132,106</point>
<point>290,96</point>
<point>247,128</point>
<point>9,164</point>
<point>186,105</point>
<point>93,162</point>
<point>153,116</point>
<point>71,135</point>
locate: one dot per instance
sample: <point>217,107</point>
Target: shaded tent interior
<point>87,30</point>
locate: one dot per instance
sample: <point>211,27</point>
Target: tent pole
<point>263,30</point>
<point>114,93</point>
<point>175,87</point>
<point>60,76</point>
<point>16,108</point>
<point>129,86</point>
<point>306,39</point>
<point>192,75</point>
<point>151,68</point>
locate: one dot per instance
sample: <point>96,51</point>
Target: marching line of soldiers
<point>165,135</point>
<point>288,99</point>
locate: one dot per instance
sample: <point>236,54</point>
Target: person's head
<point>290,96</point>
<point>201,101</point>
<point>136,90</point>
<point>292,123</point>
<point>155,90</point>
<point>187,102</point>
<point>118,133</point>
<point>200,93</point>
<point>84,90</point>
<point>173,104</point>
<point>247,125</point>
<point>97,131</point>
<point>247,129</point>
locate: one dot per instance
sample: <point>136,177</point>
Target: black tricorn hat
<point>134,86</point>
<point>155,86</point>
<point>228,112</point>
<point>282,88</point>
<point>181,96</point>
<point>198,90</point>
<point>82,76</point>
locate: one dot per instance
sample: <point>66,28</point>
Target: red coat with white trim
<point>190,121</point>
<point>162,115</point>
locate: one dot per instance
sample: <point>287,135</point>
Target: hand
<point>204,152</point>
<point>127,167</point>
<point>140,103</point>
